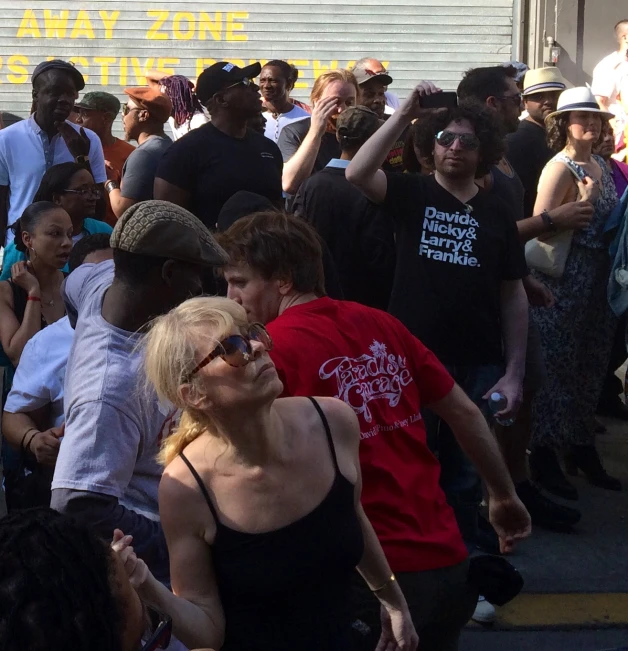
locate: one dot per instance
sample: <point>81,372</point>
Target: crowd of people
<point>287,342</point>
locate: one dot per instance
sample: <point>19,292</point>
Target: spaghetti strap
<point>330,440</point>
<point>201,485</point>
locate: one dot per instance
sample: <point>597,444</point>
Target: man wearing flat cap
<point>97,111</point>
<point>143,117</point>
<point>107,473</point>
<point>30,147</point>
<point>209,165</point>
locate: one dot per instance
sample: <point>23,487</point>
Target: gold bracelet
<point>391,579</point>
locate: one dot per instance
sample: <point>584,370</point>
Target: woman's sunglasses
<point>159,631</point>
<point>468,141</point>
<point>236,350</point>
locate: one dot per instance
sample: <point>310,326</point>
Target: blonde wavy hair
<point>171,351</point>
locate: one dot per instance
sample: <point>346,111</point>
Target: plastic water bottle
<point>496,403</point>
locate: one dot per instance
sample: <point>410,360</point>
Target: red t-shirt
<point>371,361</point>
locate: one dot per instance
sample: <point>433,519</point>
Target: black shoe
<point>613,408</point>
<point>586,458</point>
<point>486,539</point>
<point>543,511</point>
<point>546,471</point>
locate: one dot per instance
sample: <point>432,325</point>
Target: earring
<point>35,252</point>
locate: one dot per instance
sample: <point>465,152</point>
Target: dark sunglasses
<point>236,350</point>
<point>126,109</point>
<point>94,190</point>
<point>159,631</point>
<point>468,141</point>
<point>515,99</point>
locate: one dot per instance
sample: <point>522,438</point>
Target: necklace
<point>50,303</point>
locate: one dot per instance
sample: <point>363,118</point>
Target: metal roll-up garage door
<point>113,43</point>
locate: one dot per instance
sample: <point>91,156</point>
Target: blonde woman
<point>260,499</point>
<point>308,145</point>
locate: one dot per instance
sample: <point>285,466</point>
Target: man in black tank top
<point>495,89</point>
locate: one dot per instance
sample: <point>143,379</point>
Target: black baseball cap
<point>222,74</point>
<point>58,64</point>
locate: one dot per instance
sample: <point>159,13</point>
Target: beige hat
<point>165,230</point>
<point>543,80</point>
<point>580,98</point>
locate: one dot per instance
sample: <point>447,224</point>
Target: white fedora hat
<point>579,98</point>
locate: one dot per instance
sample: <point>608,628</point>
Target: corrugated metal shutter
<point>115,42</point>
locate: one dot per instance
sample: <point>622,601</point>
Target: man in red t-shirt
<point>371,361</point>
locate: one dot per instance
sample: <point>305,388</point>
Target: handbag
<point>548,254</point>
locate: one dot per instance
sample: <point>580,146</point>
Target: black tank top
<point>289,589</point>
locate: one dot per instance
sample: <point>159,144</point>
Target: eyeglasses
<point>94,190</point>
<point>236,350</point>
<point>468,141</point>
<point>515,99</point>
<point>245,81</point>
<point>126,110</point>
<point>159,631</point>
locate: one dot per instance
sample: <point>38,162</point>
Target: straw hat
<point>578,99</point>
<point>543,80</point>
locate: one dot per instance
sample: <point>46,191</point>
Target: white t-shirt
<point>274,126</point>
<point>198,120</point>
<point>607,78</point>
<point>40,374</point>
<point>26,153</point>
<point>392,101</point>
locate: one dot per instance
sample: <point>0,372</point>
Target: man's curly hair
<point>484,124</point>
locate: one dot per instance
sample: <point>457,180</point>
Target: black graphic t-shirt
<point>451,261</point>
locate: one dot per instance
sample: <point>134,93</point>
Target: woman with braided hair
<point>62,588</point>
<point>187,111</point>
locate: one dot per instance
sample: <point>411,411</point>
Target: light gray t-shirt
<point>140,168</point>
<point>113,425</point>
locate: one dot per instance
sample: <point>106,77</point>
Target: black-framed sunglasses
<point>126,109</point>
<point>467,141</point>
<point>159,631</point>
<point>245,81</point>
<point>236,350</point>
<point>515,99</point>
<point>94,190</point>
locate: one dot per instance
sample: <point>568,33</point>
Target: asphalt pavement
<point>576,585</point>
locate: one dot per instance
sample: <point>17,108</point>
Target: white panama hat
<point>579,98</point>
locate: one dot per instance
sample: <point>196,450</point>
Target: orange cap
<point>150,99</point>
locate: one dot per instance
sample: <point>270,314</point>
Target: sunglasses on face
<point>126,109</point>
<point>159,631</point>
<point>467,141</point>
<point>236,350</point>
<point>94,190</point>
<point>515,99</point>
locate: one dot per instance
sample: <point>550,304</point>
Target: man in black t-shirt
<point>459,268</point>
<point>210,164</point>
<point>528,152</point>
<point>359,236</point>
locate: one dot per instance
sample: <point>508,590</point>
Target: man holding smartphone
<point>459,268</point>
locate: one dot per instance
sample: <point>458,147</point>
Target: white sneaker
<point>484,612</point>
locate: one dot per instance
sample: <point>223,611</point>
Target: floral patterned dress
<point>577,333</point>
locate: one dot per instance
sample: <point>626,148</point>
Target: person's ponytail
<point>16,227</point>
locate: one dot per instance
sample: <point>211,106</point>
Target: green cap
<point>100,101</point>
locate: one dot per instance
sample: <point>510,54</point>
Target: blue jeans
<point>458,477</point>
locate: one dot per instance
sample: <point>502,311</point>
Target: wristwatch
<point>111,185</point>
<point>548,221</point>
<point>82,160</point>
